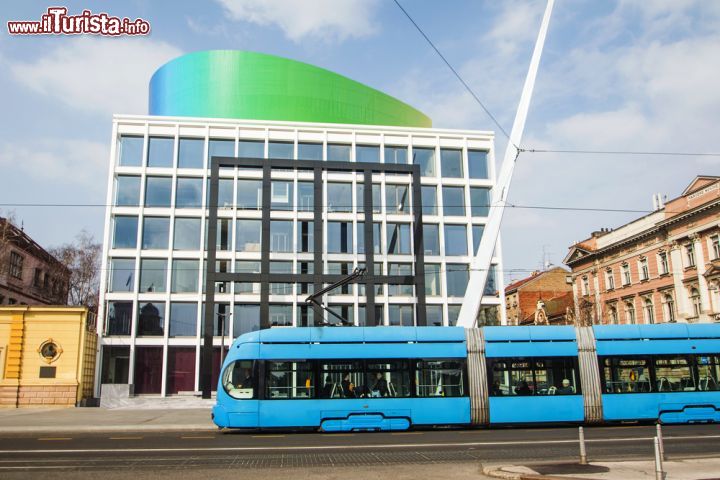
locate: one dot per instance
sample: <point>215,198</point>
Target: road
<point>131,455</point>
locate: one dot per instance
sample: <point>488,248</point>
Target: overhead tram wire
<point>467,87</point>
<point>621,152</point>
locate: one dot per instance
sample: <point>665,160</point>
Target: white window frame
<point>610,279</point>
<point>663,266</point>
<point>625,274</point>
<point>643,269</point>
<point>715,246</point>
<point>690,254</point>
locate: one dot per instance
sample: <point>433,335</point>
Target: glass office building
<point>295,225</point>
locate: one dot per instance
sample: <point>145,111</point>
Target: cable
<point>181,213</point>
<point>620,152</point>
<point>467,87</point>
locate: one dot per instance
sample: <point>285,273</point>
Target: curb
<point>498,471</point>
<point>110,428</point>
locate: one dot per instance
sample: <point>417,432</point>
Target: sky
<point>625,75</point>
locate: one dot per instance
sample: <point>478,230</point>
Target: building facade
<point>543,298</point>
<point>47,356</point>
<point>29,275</point>
<point>291,213</point>
<point>663,267</point>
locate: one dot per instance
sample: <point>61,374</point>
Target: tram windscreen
<point>239,379</point>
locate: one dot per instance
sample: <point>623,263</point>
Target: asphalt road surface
<point>135,455</point>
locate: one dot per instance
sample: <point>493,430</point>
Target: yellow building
<point>47,356</point>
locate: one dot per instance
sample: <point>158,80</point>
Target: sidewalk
<point>31,420</point>
<point>691,469</point>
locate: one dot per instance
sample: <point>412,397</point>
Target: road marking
<point>268,436</point>
<point>406,433</point>
<point>365,447</point>
<point>197,436</point>
<point>125,438</point>
<point>52,439</point>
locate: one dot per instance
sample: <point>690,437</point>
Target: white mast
<point>481,262</point>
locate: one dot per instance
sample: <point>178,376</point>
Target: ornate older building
<point>663,267</point>
<point>543,298</point>
<point>29,275</point>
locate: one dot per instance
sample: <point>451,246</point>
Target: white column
<point>576,299</point>
<point>702,281</point>
<point>681,296</point>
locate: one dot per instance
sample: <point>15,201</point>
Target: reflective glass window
<point>477,232</point>
<point>401,315</point>
<point>246,318</point>
<point>396,155</point>
<point>281,195</point>
<point>400,269</point>
<point>457,276</point>
<point>220,148</point>
<point>281,235</point>
<point>434,315</point>
<point>127,191</point>
<point>306,196</point>
<point>398,238</point>
<point>244,266</point>
<point>183,319</point>
<point>376,233</point>
<point>191,152</point>
<point>397,199</point>
<point>249,194</point>
<point>153,272</point>
<point>425,157</point>
<point>708,367</point>
<point>151,319</point>
<point>491,282</point>
<point>305,236</point>
<point>367,154</point>
<point>119,318</point>
<point>185,276</point>
<point>251,149</point>
<point>188,193</point>
<point>451,163</point>
<point>339,237</point>
<point>156,233</point>
<point>479,201</point>
<point>158,191</point>
<point>339,197</point>
<point>342,379</point>
<point>282,150</point>
<point>455,240</point>
<point>388,378</point>
<point>338,152</point>
<point>431,238</point>
<point>429,200</point>
<point>310,151</point>
<point>125,232</point>
<point>187,234</point>
<point>122,275</point>
<point>248,235</point>
<point>115,364</point>
<point>478,164</point>
<point>432,279</point>
<point>131,151</point>
<point>673,374</point>
<point>453,200</point>
<point>280,315</point>
<point>533,376</point>
<point>160,151</point>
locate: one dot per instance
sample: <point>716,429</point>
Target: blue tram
<point>395,378</point>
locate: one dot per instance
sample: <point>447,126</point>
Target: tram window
<point>556,376</point>
<point>533,376</point>
<point>708,372</point>
<point>285,380</point>
<point>388,379</point>
<point>627,375</point>
<point>239,379</point>
<point>672,374</point>
<point>342,380</point>
<point>440,378</point>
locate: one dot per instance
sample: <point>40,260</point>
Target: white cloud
<point>325,19</point>
<point>76,163</point>
<point>96,75</point>
<point>516,23</point>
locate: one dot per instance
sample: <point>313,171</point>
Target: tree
<point>8,232</point>
<point>82,258</point>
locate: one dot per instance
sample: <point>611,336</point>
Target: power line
<point>621,152</point>
<point>181,212</point>
<point>467,87</point>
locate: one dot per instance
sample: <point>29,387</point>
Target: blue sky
<point>623,75</point>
